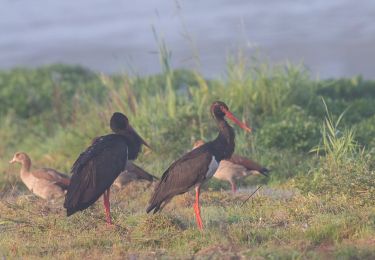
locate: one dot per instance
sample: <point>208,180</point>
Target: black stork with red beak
<point>97,168</point>
<point>194,168</point>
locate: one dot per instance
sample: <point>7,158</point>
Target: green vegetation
<point>317,137</point>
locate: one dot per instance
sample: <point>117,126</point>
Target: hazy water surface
<point>333,38</point>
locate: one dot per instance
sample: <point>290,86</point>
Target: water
<point>333,38</point>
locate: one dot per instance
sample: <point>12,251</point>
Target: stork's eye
<point>223,108</point>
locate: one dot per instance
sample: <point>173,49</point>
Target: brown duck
<point>45,182</point>
<point>131,173</point>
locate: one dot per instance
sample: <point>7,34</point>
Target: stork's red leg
<point>234,187</point>
<point>105,201</point>
<point>107,206</point>
<point>108,210</point>
<point>197,209</point>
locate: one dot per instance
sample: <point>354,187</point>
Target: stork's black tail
<point>153,207</point>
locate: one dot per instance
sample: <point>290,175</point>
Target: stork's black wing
<point>94,171</point>
<point>183,174</point>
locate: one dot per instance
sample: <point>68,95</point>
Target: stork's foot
<point>109,221</point>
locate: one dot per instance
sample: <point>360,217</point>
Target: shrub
<point>347,89</point>
<point>47,93</point>
<point>343,168</point>
<point>366,132</point>
<point>290,129</point>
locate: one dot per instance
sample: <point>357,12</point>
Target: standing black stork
<point>194,168</point>
<point>97,168</point>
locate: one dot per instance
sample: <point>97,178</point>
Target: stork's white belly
<point>212,168</point>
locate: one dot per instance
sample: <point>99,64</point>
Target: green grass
<point>303,226</point>
<point>315,205</point>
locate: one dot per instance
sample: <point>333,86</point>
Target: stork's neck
<point>223,146</point>
<point>134,145</point>
<point>26,166</point>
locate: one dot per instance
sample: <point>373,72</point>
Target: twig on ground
<point>243,203</point>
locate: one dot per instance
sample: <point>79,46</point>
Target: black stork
<point>97,168</point>
<point>194,168</point>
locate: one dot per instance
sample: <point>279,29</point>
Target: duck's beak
<point>13,160</point>
<point>235,120</point>
<point>265,172</point>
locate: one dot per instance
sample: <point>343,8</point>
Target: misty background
<point>331,38</point>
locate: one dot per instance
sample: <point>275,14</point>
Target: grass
<point>301,226</point>
<point>315,205</point>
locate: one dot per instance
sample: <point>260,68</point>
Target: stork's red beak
<point>235,120</point>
